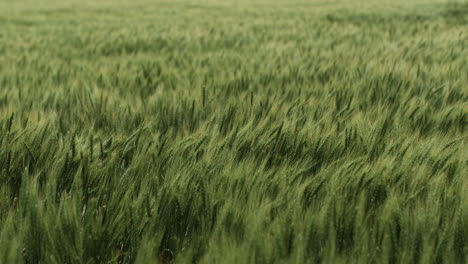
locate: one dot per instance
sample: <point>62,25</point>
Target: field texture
<point>228,132</point>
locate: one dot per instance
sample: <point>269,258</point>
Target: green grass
<point>274,131</point>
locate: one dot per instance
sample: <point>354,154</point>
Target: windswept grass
<point>233,132</point>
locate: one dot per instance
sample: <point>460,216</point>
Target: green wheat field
<point>233,131</point>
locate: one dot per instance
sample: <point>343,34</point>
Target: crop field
<point>233,131</point>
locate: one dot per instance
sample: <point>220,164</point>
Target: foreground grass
<point>262,132</point>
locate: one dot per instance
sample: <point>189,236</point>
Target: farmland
<point>263,131</point>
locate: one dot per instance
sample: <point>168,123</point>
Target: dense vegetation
<point>278,131</point>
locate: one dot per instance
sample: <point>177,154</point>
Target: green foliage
<point>233,132</point>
